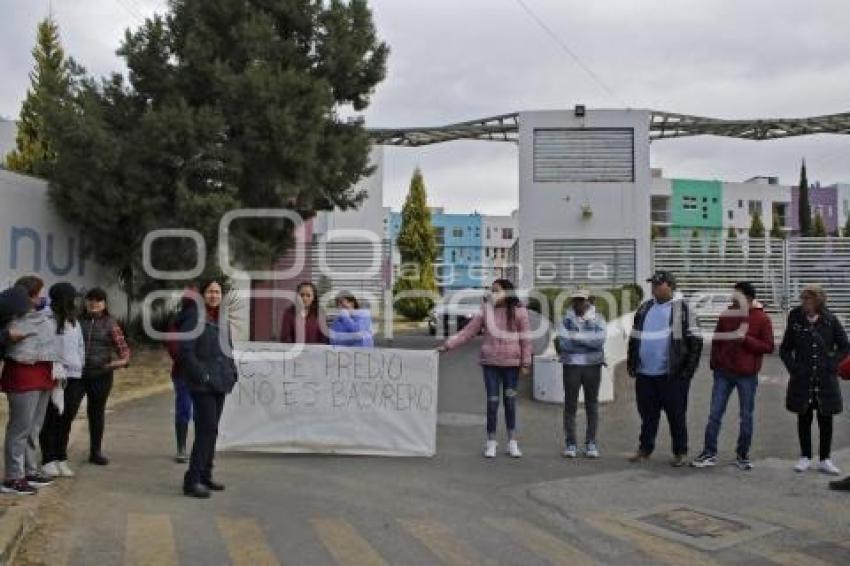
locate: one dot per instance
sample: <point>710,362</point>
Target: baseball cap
<point>580,294</point>
<point>662,276</point>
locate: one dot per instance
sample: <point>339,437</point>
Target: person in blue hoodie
<point>352,325</point>
<point>581,343</point>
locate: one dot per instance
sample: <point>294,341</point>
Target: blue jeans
<point>182,401</point>
<point>501,380</point>
<point>724,384</point>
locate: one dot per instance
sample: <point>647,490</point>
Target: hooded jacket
<point>352,328</point>
<point>685,346</point>
<point>740,342</point>
<point>43,344</point>
<point>14,302</point>
<point>502,346</point>
<point>581,341</point>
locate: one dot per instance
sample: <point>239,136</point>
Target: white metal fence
<point>778,268</point>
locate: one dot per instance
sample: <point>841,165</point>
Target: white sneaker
<point>827,467</point>
<point>65,470</point>
<point>571,451</point>
<point>490,449</point>
<point>591,450</point>
<point>803,464</point>
<point>51,469</point>
<point>513,449</point>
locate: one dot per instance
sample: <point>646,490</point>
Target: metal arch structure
<point>663,125</point>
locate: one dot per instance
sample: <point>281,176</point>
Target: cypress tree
<point>819,229</point>
<point>50,86</point>
<point>756,226</point>
<point>417,246</point>
<point>804,208</point>
<point>776,230</point>
<point>847,227</point>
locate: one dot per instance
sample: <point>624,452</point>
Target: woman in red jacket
<point>744,334</point>
<point>304,322</point>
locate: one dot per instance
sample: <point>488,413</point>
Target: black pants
<point>208,407</point>
<point>57,428</point>
<point>804,432</point>
<point>655,394</point>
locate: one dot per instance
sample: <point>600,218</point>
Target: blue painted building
<point>459,251</point>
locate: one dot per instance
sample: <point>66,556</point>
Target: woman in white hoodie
<point>57,427</point>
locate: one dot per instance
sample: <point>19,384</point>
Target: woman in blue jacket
<point>353,325</point>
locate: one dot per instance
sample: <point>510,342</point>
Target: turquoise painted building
<point>696,205</point>
<point>459,250</point>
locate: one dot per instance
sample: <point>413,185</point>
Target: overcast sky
<point>456,60</point>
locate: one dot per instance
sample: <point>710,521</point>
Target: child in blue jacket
<point>353,325</point>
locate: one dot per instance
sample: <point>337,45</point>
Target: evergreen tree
<point>732,233</point>
<point>50,86</point>
<point>417,245</point>
<point>756,226</point>
<point>804,208</point>
<point>847,227</point>
<point>819,229</point>
<point>776,230</point>
<point>228,104</point>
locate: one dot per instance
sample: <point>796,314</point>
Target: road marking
<point>149,540</point>
<point>656,548</point>
<point>246,542</point>
<point>539,542</point>
<point>346,546</point>
<point>439,540</point>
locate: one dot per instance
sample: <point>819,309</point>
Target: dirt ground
<point>148,373</point>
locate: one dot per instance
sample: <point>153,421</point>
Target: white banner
<point>332,400</point>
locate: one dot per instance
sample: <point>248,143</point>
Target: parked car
<point>455,310</point>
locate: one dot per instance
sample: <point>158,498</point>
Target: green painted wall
<point>705,196</point>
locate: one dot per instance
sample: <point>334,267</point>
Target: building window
<point>487,252</point>
<point>740,204</point>
<point>488,232</point>
<point>755,207</point>
<point>704,216</point>
<point>457,232</point>
<point>730,214</point>
<point>689,203</point>
<point>714,200</point>
<point>454,256</point>
<point>704,199</point>
<point>507,233</point>
<point>846,206</point>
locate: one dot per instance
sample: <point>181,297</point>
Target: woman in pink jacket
<point>505,353</point>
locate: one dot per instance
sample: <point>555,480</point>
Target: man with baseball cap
<point>663,355</point>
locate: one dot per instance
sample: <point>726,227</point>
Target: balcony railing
<point>661,216</point>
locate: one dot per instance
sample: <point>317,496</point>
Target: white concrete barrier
<point>548,384</point>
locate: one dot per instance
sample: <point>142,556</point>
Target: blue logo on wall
<point>58,259</point>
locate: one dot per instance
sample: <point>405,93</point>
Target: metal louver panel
<point>598,155</point>
<point>598,263</point>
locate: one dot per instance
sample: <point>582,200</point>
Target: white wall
<point>553,210</point>
<point>766,194</point>
<point>843,194</point>
<point>35,240</point>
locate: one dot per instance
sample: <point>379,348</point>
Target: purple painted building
<point>823,200</point>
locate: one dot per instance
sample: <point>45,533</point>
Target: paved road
<point>458,508</point>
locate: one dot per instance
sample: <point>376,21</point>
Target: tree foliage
<point>417,246</point>
<point>819,228</point>
<point>757,226</point>
<point>804,208</point>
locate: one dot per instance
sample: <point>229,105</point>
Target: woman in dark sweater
<point>208,367</point>
<point>304,322</point>
<point>813,345</point>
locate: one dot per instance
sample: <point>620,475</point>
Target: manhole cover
<point>461,419</point>
<point>701,528</point>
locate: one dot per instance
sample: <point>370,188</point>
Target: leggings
<point>804,431</point>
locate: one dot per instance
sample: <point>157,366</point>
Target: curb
<point>15,524</point>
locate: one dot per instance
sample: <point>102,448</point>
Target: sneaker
<point>827,467</point>
<point>51,469</point>
<point>571,451</point>
<point>591,450</point>
<point>181,457</point>
<point>705,460</point>
<point>678,460</point>
<point>65,470</point>
<point>490,449</point>
<point>17,487</point>
<point>744,464</point>
<point>39,480</point>
<point>638,457</point>
<point>513,449</point>
<point>840,485</point>
<point>803,464</point>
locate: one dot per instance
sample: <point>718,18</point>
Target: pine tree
<point>804,208</point>
<point>756,226</point>
<point>847,227</point>
<point>50,86</point>
<point>819,229</point>
<point>776,230</point>
<point>417,245</point>
<point>227,105</point>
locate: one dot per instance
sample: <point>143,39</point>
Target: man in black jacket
<point>663,355</point>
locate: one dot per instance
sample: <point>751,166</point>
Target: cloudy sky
<point>455,60</point>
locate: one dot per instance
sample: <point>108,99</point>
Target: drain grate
<point>701,528</point>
